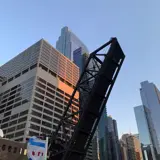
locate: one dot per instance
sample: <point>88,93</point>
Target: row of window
<point>19,74</point>
<point>9,148</point>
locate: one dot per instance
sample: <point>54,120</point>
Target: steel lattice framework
<point>73,135</point>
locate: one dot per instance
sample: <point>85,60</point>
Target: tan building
<point>123,150</point>
<point>133,146</point>
<point>11,150</point>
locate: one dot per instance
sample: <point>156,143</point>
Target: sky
<point>136,24</point>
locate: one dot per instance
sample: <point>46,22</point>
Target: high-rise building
<point>102,136</point>
<point>39,82</point>
<point>133,147</point>
<point>68,42</point>
<point>113,140</point>
<point>123,150</point>
<point>150,96</point>
<point>146,130</point>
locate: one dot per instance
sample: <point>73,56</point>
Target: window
<point>13,88</point>
<point>15,150</point>
<point>24,101</point>
<point>41,85</point>
<point>59,95</point>
<point>9,136</point>
<point>47,118</point>
<point>36,114</point>
<point>41,80</point>
<point>11,129</point>
<point>21,133</point>
<point>40,90</point>
<point>49,100</point>
<point>57,115</point>
<point>44,130</point>
<point>11,102</point>
<point>50,85</point>
<point>13,122</point>
<point>14,116</point>
<point>33,66</point>
<point>59,90</point>
<point>39,96</point>
<point>17,104</point>
<point>35,127</point>
<point>25,71</point>
<point>59,105</point>
<point>58,110</point>
<point>6,119</point>
<point>12,97</point>
<point>23,113</point>
<point>59,100</point>
<point>31,133</point>
<point>48,106</point>
<point>9,80</point>
<point>21,126</point>
<point>18,75</point>
<point>38,101</point>
<point>50,95</point>
<point>3,147</point>
<point>17,99</point>
<point>35,120</point>
<point>22,119</point>
<point>37,107</point>
<point>48,112</point>
<point>46,124</point>
<point>4,83</point>
<point>43,67</point>
<point>52,73</point>
<point>4,125</point>
<point>7,114</point>
<point>50,90</point>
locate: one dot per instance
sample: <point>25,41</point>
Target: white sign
<point>36,149</point>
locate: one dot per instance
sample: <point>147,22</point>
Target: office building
<point>150,96</point>
<point>39,83</point>
<point>113,140</point>
<point>146,130</point>
<point>133,145</point>
<point>123,150</point>
<point>68,42</point>
<point>102,136</point>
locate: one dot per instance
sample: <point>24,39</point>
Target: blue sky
<point>135,23</point>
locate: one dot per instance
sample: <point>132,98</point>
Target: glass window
<point>35,127</point>
<point>13,122</point>
<point>35,120</point>
<point>21,133</point>
<point>37,107</point>
<point>36,114</point>
<point>22,119</point>
<point>48,106</point>
<point>49,95</point>
<point>47,118</point>
<point>48,112</point>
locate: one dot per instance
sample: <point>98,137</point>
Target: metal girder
<point>94,87</point>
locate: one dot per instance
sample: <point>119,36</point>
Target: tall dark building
<point>113,141</point>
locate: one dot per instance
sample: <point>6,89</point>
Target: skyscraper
<point>147,135</point>
<point>113,140</point>
<point>133,147</point>
<point>68,42</point>
<point>37,86</point>
<point>150,96</point>
<point>102,136</point>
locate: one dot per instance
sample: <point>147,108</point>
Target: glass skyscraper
<point>145,134</point>
<point>147,117</point>
<point>68,42</point>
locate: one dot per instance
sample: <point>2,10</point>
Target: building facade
<point>150,96</point>
<point>68,42</point>
<point>39,83</point>
<point>146,134</point>
<point>113,140</point>
<point>123,150</point>
<point>133,146</point>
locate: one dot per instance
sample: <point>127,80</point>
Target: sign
<point>37,149</point>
